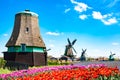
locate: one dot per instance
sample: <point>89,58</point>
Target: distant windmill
<point>69,48</point>
<point>83,58</point>
<point>111,58</point>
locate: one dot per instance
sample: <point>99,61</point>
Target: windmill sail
<point>74,41</point>
<point>74,50</point>
<point>69,43</point>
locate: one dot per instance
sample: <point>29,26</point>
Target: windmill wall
<point>26,44</point>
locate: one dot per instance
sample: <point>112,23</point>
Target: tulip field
<point>66,72</point>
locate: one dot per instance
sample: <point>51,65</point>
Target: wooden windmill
<point>83,57</point>
<point>111,56</point>
<point>26,44</point>
<point>69,48</point>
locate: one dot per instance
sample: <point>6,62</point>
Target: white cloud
<point>5,35</point>
<point>51,45</point>
<point>67,10</point>
<point>107,19</point>
<point>80,7</point>
<point>97,15</point>
<point>96,50</point>
<point>107,15</point>
<point>115,44</point>
<point>83,17</point>
<point>54,33</point>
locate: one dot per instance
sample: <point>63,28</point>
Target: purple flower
<point>32,71</point>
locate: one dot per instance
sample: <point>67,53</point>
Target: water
<point>108,63</point>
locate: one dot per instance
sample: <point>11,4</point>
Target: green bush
<point>2,62</point>
<point>4,71</point>
<point>54,62</point>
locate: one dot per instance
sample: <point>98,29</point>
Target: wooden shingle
<point>26,30</point>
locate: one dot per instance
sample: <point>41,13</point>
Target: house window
<point>23,47</point>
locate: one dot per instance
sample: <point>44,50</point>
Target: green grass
<point>4,71</point>
<point>50,63</point>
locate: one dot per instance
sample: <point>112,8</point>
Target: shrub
<point>54,62</point>
<point>2,62</point>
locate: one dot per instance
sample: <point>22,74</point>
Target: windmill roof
<point>28,12</point>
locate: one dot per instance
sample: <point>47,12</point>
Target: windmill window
<point>23,47</point>
<point>27,29</point>
<point>11,49</point>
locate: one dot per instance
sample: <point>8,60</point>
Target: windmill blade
<point>110,52</point>
<point>74,50</point>
<point>82,49</point>
<point>48,49</point>
<point>85,50</point>
<point>114,54</point>
<point>69,41</point>
<point>74,41</point>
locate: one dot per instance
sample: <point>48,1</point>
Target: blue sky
<point>94,23</point>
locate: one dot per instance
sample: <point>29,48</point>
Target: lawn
<point>4,71</point>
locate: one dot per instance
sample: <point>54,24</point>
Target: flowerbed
<point>69,72</point>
